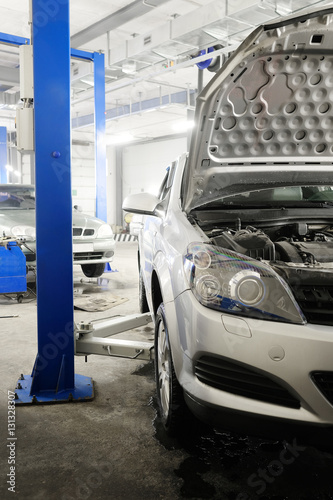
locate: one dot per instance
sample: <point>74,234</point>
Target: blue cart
<point>12,269</point>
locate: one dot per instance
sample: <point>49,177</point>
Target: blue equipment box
<point>12,268</point>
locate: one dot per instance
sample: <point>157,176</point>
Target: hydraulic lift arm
<point>91,338</point>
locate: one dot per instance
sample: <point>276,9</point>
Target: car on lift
<point>93,240</point>
<point>236,254</point>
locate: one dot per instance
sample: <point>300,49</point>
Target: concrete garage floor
<point>114,447</point>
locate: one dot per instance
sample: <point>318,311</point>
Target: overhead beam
<point>113,21</point>
<point>11,76</point>
<point>82,55</point>
<point>138,107</point>
<point>13,39</point>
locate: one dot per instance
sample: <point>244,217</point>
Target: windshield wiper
<point>269,205</point>
<point>222,206</point>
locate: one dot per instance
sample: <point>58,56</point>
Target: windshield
<point>17,198</point>
<point>286,196</point>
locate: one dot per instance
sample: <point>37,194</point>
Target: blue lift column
<point>100,118</point>
<point>3,155</point>
<point>100,146</point>
<point>53,378</point>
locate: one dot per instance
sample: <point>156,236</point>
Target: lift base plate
<point>83,391</point>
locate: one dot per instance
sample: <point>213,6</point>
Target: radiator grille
<point>88,256</point>
<point>79,231</point>
<point>236,379</point>
<point>316,303</point>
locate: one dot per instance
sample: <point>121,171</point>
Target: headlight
<point>104,231</point>
<point>28,233</point>
<point>230,282</point>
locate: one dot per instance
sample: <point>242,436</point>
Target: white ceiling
<point>188,23</point>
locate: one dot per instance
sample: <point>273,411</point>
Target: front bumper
<point>98,251</point>
<point>93,252</point>
<point>319,435</point>
<point>283,353</point>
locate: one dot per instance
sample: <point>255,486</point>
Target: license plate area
<point>83,247</point>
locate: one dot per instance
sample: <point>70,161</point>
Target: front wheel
<point>93,270</point>
<point>169,393</point>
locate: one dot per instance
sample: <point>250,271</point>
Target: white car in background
<point>93,240</point>
<point>136,224</point>
<point>236,254</point>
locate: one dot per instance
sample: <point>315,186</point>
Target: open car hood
<point>270,104</point>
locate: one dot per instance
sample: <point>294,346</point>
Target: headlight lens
<point>104,231</point>
<point>230,282</point>
<point>28,233</point>
<point>247,287</point>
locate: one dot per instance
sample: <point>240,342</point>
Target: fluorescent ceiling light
<point>183,126</point>
<point>17,173</point>
<point>120,138</point>
<point>9,168</point>
<point>129,67</point>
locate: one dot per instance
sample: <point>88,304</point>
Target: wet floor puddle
<point>221,465</point>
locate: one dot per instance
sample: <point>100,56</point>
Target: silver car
<point>236,254</point>
<point>93,240</point>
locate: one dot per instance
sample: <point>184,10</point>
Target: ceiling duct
<point>81,70</point>
<point>286,7</point>
<point>221,21</point>
<point>122,16</point>
<point>186,35</point>
<point>9,100</point>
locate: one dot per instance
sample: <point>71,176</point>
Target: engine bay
<point>301,253</point>
<point>309,245</point>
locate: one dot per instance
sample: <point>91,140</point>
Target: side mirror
<point>141,203</point>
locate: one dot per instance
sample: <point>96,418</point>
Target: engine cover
<point>305,251</point>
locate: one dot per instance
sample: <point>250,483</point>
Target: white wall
<point>111,186</point>
<point>83,178</point>
<point>143,169</point>
<point>26,161</point>
<point>144,165</point>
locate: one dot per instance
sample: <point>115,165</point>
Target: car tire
<point>143,303</point>
<point>93,270</point>
<point>172,407</point>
